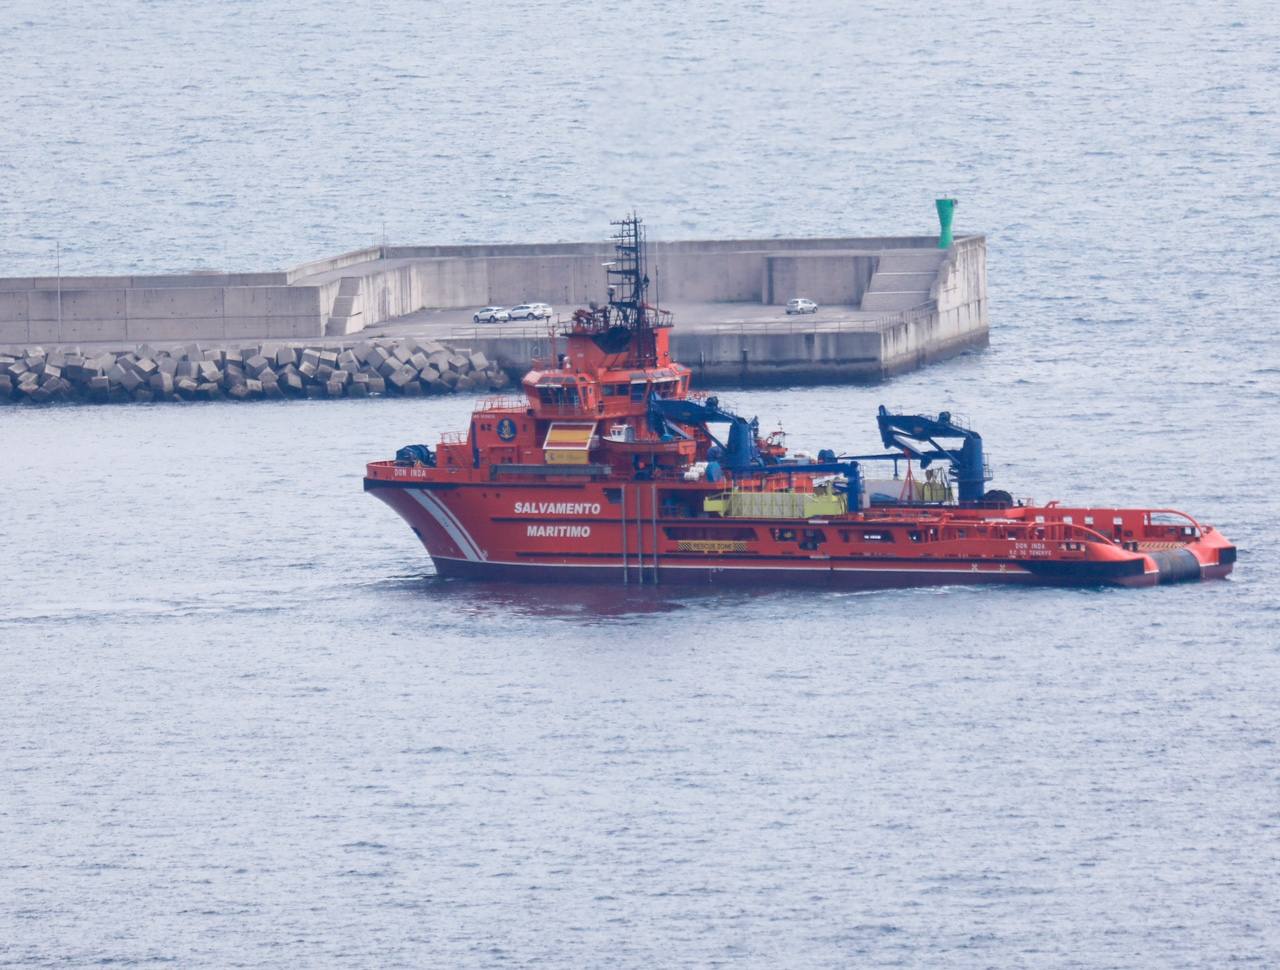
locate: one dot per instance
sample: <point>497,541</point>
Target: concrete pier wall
<point>947,318</point>
<point>770,271</point>
<point>331,263</point>
<point>839,278</point>
<point>383,283</point>
<point>129,310</point>
<point>954,319</point>
<point>767,357</point>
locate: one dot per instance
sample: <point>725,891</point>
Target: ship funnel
<point>946,209</point>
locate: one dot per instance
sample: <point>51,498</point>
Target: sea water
<point>245,725</point>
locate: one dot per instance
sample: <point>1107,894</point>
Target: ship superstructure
<point>611,467</point>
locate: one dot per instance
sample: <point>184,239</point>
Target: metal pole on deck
<point>654,518</point>
<point>625,568</point>
<point>640,533</point>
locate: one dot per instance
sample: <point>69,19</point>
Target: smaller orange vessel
<point>610,468</point>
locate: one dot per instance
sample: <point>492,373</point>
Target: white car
<point>799,305</point>
<point>491,314</point>
<point>530,311</point>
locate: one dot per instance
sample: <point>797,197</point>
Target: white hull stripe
<point>445,519</point>
<point>457,523</point>
<point>448,515</point>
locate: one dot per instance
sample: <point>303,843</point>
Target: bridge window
<point>556,395</point>
<point>806,538</point>
<point>812,538</point>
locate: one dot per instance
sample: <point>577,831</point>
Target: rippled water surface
<point>244,725</point>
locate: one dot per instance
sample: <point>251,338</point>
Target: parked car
<point>545,309</point>
<point>800,305</point>
<point>528,311</point>
<point>491,314</point>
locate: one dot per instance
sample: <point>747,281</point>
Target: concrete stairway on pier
<point>902,279</point>
<point>344,318</point>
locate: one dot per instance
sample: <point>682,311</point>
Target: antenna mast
<point>628,286</point>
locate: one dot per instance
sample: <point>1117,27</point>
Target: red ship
<point>611,468</point>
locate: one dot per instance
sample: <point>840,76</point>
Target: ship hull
<point>609,468</point>
<point>574,535</point>
<point>755,574</point>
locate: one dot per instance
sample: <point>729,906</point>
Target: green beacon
<point>946,209</point>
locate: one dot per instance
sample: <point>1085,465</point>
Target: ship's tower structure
<point>627,322</point>
<point>628,276</point>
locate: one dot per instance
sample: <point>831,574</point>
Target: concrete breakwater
<point>888,304</point>
<point>359,290</point>
<point>405,367</point>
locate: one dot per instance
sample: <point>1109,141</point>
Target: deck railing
<point>504,402</point>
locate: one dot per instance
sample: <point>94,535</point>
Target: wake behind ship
<point>611,468</point>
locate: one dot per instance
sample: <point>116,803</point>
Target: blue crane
<point>738,454</point>
<point>905,433</point>
<point>918,436</point>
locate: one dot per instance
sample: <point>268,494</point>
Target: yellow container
<point>825,504</point>
<point>775,505</point>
